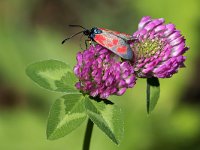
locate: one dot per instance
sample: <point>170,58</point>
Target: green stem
<point>88,134</point>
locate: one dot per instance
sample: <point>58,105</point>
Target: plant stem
<point>88,134</point>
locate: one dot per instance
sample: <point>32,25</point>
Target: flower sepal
<point>153,93</point>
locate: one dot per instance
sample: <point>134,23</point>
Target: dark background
<point>33,30</point>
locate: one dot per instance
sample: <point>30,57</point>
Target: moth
<point>117,42</point>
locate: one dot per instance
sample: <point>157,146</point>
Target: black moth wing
<point>117,43</point>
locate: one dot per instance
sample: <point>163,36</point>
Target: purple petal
<point>78,85</point>
<point>174,35</point>
<point>149,26</point>
<point>94,93</point>
<point>147,70</point>
<point>121,91</point>
<point>177,41</point>
<point>169,29</point>
<point>130,80</point>
<point>144,21</point>
<point>160,28</point>
<point>176,50</point>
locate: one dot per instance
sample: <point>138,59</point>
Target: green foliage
<point>66,114</point>
<point>107,116</point>
<point>69,111</point>
<point>53,75</point>
<point>153,93</point>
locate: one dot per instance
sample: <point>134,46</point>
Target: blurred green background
<point>33,30</point>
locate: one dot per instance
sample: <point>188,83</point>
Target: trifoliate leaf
<point>66,114</point>
<point>53,75</point>
<point>107,116</point>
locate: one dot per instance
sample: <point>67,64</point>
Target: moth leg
<point>92,43</point>
<point>80,42</point>
<point>89,41</point>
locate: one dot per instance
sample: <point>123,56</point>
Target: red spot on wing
<point>122,49</point>
<point>110,45</point>
<point>115,41</point>
<point>100,39</point>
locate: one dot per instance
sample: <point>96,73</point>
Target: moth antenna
<point>71,36</point>
<point>75,25</point>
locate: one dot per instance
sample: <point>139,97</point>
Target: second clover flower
<point>101,73</point>
<point>159,49</point>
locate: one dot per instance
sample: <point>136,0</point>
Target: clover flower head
<point>159,49</point>
<point>101,73</point>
